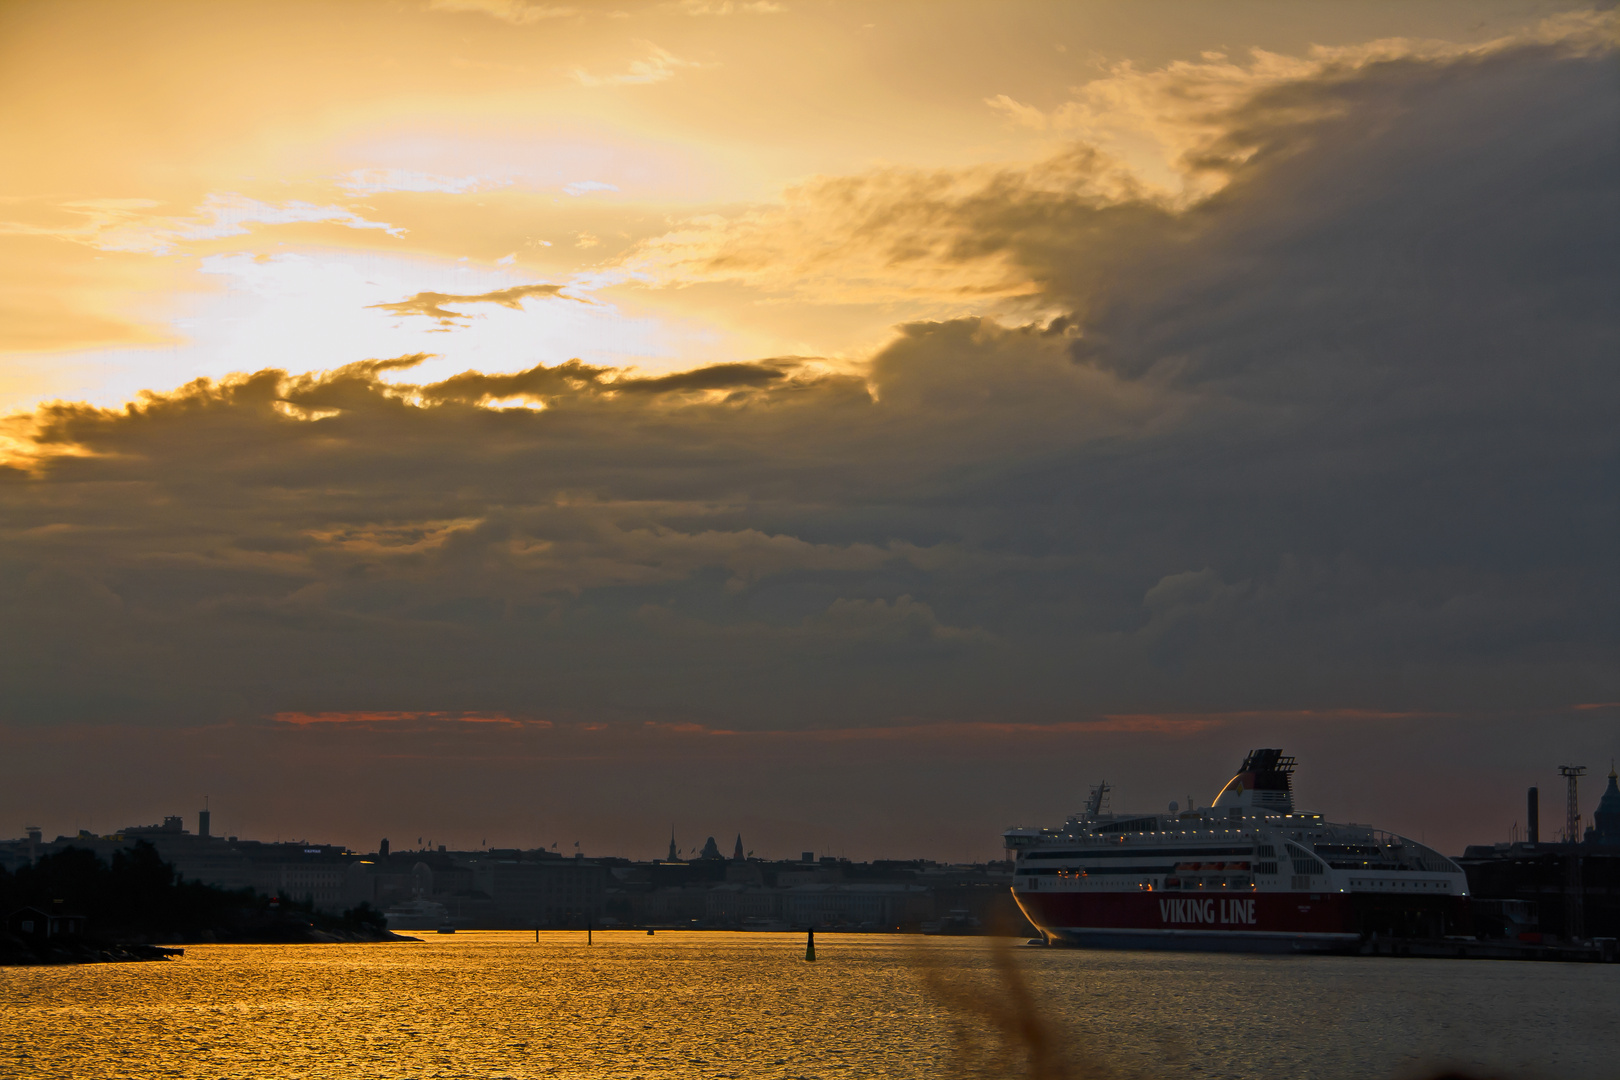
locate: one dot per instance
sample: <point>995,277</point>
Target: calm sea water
<point>748,1005</point>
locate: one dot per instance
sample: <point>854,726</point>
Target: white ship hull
<point>1248,875</point>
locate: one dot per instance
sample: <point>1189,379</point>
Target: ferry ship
<point>1248,874</point>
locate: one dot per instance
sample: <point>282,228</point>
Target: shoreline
<point>58,952</point>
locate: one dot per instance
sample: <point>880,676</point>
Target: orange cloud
<point>370,718</point>
<point>945,732</point>
<point>432,304</point>
<point>1200,721</point>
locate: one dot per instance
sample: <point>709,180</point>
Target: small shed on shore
<point>34,924</point>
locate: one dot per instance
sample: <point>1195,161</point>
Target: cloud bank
<point>1336,439</point>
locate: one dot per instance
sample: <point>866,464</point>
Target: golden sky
<point>438,412</point>
<point>196,189</point>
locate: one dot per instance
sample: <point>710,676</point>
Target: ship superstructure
<point>1250,873</point>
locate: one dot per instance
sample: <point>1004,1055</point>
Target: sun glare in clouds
<point>683,169</point>
<point>238,282</point>
<point>316,308</point>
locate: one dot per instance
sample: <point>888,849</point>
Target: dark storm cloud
<point>432,304</point>
<point>1339,437</point>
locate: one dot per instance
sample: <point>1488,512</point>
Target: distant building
<point>856,906</point>
<point>543,892</point>
<point>726,905</point>
<point>173,825</point>
<point>1606,818</point>
<point>1573,892</point>
<point>511,888</point>
<point>16,854</point>
<point>674,905</point>
<point>317,874</point>
<point>313,873</point>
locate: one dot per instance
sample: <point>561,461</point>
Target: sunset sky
<point>860,426</point>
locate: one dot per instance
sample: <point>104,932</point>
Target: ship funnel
<point>1263,784</point>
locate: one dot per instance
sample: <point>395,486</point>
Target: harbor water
<point>749,1005</point>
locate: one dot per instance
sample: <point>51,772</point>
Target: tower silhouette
<point>1572,804</point>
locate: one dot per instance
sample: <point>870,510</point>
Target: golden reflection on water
<point>748,1005</point>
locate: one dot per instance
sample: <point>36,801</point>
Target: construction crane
<point>1572,809</point>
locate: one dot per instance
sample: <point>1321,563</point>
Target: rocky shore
<point>18,951</point>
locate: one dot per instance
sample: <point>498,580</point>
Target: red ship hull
<point>1238,922</point>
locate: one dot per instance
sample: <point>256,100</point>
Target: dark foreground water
<point>747,1005</point>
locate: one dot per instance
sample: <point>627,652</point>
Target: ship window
<point>1304,863</point>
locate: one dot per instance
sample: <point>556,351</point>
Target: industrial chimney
<point>1534,818</point>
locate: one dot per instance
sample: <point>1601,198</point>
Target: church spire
<point>737,852</point>
<point>674,852</point>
